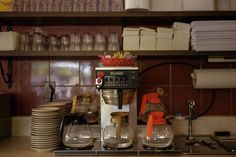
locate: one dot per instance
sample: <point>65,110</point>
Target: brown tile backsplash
<point>33,73</point>
<point>74,77</point>
<point>64,73</point>
<point>180,96</point>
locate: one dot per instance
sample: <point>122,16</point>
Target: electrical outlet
<point>48,89</point>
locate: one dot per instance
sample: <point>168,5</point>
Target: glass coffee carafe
<point>158,133</point>
<point>118,134</point>
<point>74,134</point>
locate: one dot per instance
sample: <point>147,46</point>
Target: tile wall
<point>74,77</point>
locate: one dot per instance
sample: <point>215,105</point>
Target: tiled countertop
<point>20,147</point>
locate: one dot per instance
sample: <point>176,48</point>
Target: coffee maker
<point>117,86</point>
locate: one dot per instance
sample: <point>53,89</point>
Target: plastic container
<point>9,41</point>
<point>137,4</point>
<point>117,61</point>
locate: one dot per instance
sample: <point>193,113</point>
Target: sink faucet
<point>191,104</point>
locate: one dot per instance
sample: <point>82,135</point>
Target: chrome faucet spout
<point>191,104</point>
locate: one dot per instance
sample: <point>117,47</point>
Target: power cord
<point>189,65</point>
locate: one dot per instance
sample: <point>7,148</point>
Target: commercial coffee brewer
<point>117,129</point>
<point>117,86</point>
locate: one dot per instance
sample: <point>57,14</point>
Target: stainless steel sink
<point>201,145</point>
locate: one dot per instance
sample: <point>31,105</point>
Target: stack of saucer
<point>65,106</point>
<point>45,128</point>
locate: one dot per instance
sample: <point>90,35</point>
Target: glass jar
<point>76,135</point>
<point>91,5</point>
<point>64,42</point>
<point>117,5</point>
<point>157,134</point>
<point>87,42</point>
<point>118,134</point>
<point>66,6</point>
<point>53,43</point>
<point>25,41</point>
<point>103,5</point>
<point>78,5</point>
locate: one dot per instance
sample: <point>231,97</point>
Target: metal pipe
<point>191,104</point>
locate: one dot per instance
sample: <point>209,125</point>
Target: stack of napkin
<point>213,35</point>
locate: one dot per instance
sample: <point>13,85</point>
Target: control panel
<point>116,77</point>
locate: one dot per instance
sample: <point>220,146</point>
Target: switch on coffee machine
<point>99,79</point>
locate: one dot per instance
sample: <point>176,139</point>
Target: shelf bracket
<point>8,78</point>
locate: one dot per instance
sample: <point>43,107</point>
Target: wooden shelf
<point>110,18</point>
<point>94,54</point>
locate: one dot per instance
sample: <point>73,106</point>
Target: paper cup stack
<point>45,128</point>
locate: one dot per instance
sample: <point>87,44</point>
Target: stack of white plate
<point>65,106</point>
<point>45,128</point>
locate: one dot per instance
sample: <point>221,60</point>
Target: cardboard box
<point>131,38</point>
<point>164,44</point>
<point>147,42</point>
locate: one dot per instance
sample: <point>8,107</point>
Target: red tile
<point>180,96</point>
<point>87,72</point>
<point>233,101</point>
<point>222,101</point>
<point>64,73</point>
<point>181,70</point>
<point>65,93</point>
<point>28,98</point>
<point>34,73</point>
<point>143,64</point>
<point>181,75</point>
<point>158,75</point>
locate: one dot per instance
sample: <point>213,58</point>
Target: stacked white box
<point>9,41</point>
<point>164,38</point>
<point>137,4</point>
<point>166,5</point>
<point>181,36</point>
<point>131,38</point>
<point>147,39</point>
<point>198,5</point>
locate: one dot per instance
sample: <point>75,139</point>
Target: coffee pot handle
<point>120,98</point>
<point>63,122</point>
